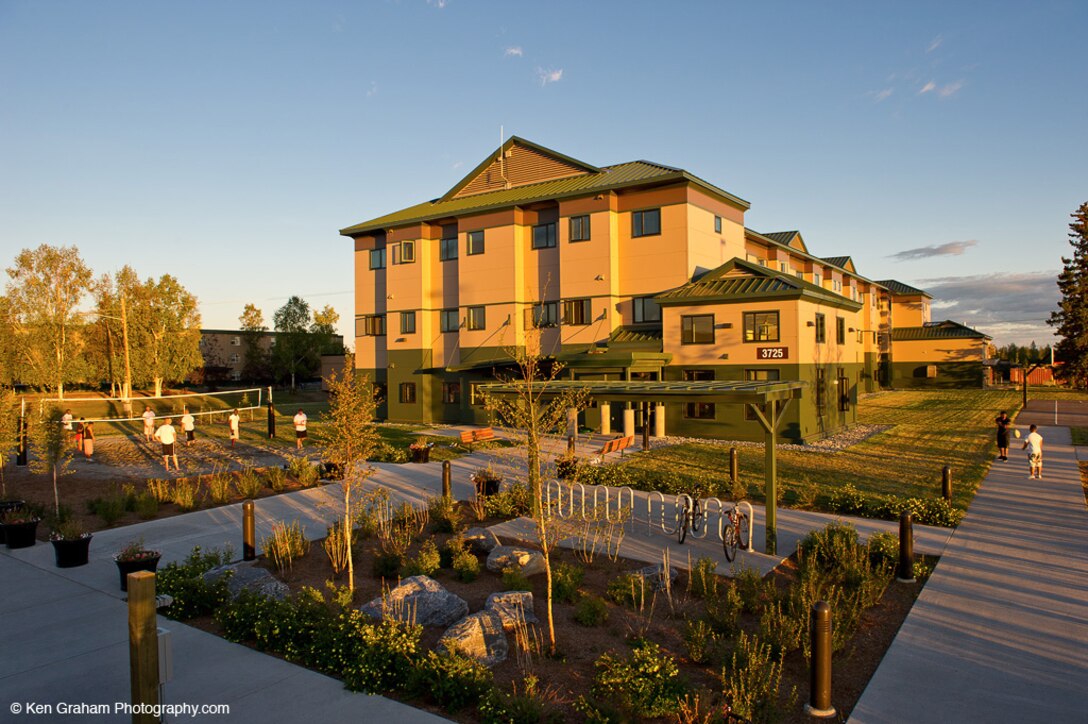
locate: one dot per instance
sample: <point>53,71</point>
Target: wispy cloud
<point>930,86</point>
<point>1011,307</point>
<point>514,50</point>
<point>440,4</point>
<point>952,248</point>
<point>373,90</point>
<point>881,95</point>
<point>549,75</point>
<point>457,165</point>
<point>934,44</point>
<point>950,89</point>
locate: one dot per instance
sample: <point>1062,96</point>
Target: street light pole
<point>127,392</point>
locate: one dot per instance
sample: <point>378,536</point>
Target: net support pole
<point>271,420</point>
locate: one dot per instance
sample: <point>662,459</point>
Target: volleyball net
<point>198,404</point>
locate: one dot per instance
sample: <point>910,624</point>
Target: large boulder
<point>421,599</point>
<point>655,576</point>
<point>246,576</point>
<point>527,562</point>
<point>480,636</point>
<point>481,540</point>
<point>512,607</point>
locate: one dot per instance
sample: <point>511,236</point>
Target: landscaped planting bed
<point>627,649</point>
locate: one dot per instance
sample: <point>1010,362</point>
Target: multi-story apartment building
<point>636,271</point>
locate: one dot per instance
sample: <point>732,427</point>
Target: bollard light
<point>905,571</point>
<point>946,483</point>
<point>447,485</point>
<point>249,535</point>
<point>819,699</point>
<point>734,465</point>
<point>271,421</point>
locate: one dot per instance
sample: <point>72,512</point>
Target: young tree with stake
<point>52,453</point>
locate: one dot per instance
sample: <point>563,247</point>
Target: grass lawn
<point>930,430</point>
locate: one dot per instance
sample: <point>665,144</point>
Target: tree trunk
<point>56,493</point>
<point>158,387</point>
<point>348,533</point>
<point>548,586</point>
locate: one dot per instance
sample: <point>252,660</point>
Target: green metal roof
<point>636,335</point>
<point>771,238</point>
<point>634,173</point>
<point>899,288</point>
<point>937,330</point>
<point>782,237</point>
<point>738,281</point>
<point>839,261</point>
<point>669,390</point>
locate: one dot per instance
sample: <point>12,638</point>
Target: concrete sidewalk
<point>1000,631</point>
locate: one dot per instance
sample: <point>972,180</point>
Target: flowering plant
<point>135,551</point>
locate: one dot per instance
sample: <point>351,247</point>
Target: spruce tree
<point>1071,319</point>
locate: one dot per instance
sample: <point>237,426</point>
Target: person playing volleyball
<point>234,421</point>
<point>167,436</point>
<point>300,428</point>
<point>188,426</point>
<point>149,423</point>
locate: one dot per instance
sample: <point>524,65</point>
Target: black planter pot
<point>20,535</point>
<point>127,567</point>
<point>421,455</point>
<point>71,553</point>
<point>8,506</point>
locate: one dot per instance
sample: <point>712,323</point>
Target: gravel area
<point>834,443</point>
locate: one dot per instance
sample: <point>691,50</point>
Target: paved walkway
<point>1000,631</point>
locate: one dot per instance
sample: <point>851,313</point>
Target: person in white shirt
<point>66,422</point>
<point>1035,455</point>
<point>167,436</point>
<point>188,426</point>
<point>233,422</point>
<point>149,424</point>
<point>300,428</point>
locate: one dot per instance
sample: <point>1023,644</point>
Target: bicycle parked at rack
<point>736,529</point>
<point>689,516</point>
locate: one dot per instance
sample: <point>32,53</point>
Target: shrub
<point>514,502</point>
<point>525,707</point>
<point>185,583</point>
<point>466,565</point>
<point>754,591</point>
<point>752,681</point>
<point>444,514</point>
<point>426,562</point>
<point>387,565</point>
<point>451,680</point>
<point>110,509</point>
<point>614,475</point>
<point>646,683</point>
<point>824,548</point>
<point>723,612</point>
<point>387,453</point>
<point>239,618</point>
<point>782,628</point>
<point>628,589</point>
<point>590,611</point>
<point>566,467</point>
<point>937,511</point>
<point>249,483</point>
<point>703,578</point>
<point>566,578</point>
<point>336,547</point>
<point>286,543</point>
<point>276,479</point>
<point>884,549</point>
<point>220,488</point>
<point>161,489</point>
<point>388,652</point>
<point>301,469</point>
<point>449,551</point>
<point>514,580</point>
<point>186,494</point>
<point>698,636</point>
<point>847,500</point>
<point>147,506</point>
<point>371,510</point>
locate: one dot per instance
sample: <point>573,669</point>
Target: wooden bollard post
<point>905,570</point>
<point>734,465</point>
<point>249,534</point>
<point>271,421</point>
<point>143,646</point>
<point>447,483</point>
<point>946,483</point>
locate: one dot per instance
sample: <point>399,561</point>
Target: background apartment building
<point>636,271</point>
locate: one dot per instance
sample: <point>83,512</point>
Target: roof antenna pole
<point>502,157</point>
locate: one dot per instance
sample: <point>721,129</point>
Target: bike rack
<point>599,492</point>
<point>751,521</point>
<point>719,509</point>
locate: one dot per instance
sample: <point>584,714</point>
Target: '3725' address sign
<point>772,352</point>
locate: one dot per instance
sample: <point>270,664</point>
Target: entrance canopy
<point>767,400</point>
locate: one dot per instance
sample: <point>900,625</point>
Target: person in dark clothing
<point>1003,425</point>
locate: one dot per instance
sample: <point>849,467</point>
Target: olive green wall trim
<point>378,377</point>
<point>949,375</point>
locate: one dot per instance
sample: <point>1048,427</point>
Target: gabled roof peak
<point>518,162</point>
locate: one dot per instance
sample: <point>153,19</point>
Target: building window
<point>377,258</point>
<point>699,410</point>
<point>451,393</point>
<point>761,326</point>
<point>844,391</point>
<point>407,392</point>
<point>407,252</point>
<point>646,310</point>
<point>234,359</point>
<point>579,228</point>
<point>821,393</point>
<point>544,236</point>
<point>697,329</point>
<point>477,317</point>
<point>816,280</point>
<point>475,244</point>
<point>448,321</point>
<point>235,341</point>
<point>374,325</point>
<point>577,311</point>
<point>407,322</point>
<point>757,376</point>
<point>821,329</point>
<point>840,330</point>
<point>545,314</point>
<point>646,223</point>
<point>783,266</point>
<point>717,224</point>
<point>447,249</point>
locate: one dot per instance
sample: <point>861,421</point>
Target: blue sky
<point>941,144</point>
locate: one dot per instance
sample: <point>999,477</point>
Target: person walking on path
<point>149,423</point>
<point>300,428</point>
<point>167,436</point>
<point>1035,455</point>
<point>66,422</point>
<point>188,426</point>
<point>79,435</point>
<point>234,421</point>
<point>88,439</point>
<point>1003,424</point>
